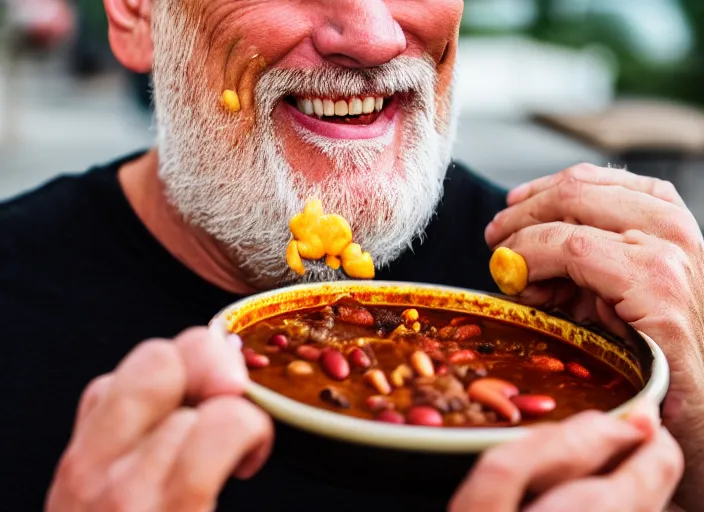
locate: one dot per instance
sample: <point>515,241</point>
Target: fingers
<point>228,430</point>
<point>137,480</point>
<point>588,173</point>
<point>148,385</point>
<point>598,260</point>
<point>608,207</point>
<point>645,481</point>
<point>145,388</point>
<point>551,455</point>
<point>213,365</point>
<point>93,392</point>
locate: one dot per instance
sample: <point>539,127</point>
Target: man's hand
<point>164,431</point>
<point>616,248</point>
<point>588,462</point>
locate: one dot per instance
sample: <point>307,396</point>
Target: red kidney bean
<point>462,357</point>
<point>334,364</point>
<point>534,405</point>
<point>308,353</point>
<point>389,416</point>
<point>465,332</point>
<point>425,416</point>
<point>547,363</point>
<point>279,340</point>
<point>495,394</point>
<point>254,360</point>
<point>359,358</point>
<point>459,320</point>
<point>377,403</point>
<point>578,370</point>
<point>355,315</point>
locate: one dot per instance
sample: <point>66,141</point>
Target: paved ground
<point>62,125</point>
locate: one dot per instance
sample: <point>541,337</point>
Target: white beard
<point>243,193</point>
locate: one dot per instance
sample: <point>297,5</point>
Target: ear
<point>130,33</point>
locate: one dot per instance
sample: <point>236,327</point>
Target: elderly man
<point>350,101</point>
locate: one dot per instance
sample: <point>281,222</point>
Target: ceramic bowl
<point>637,358</point>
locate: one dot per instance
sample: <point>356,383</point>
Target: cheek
<point>231,33</point>
<point>432,28</point>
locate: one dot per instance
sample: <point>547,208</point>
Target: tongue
<point>363,119</point>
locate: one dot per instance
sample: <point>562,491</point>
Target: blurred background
<point>542,85</point>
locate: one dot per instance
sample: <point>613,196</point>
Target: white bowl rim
<point>405,437</point>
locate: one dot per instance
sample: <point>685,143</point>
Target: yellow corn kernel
<point>333,262</point>
<point>293,258</point>
<point>416,326</point>
<point>231,100</point>
<point>509,271</point>
<point>410,315</point>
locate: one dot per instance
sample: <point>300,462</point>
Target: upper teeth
<point>353,107</point>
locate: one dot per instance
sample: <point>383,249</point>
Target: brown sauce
<point>452,383</point>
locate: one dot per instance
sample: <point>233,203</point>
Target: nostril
<point>343,60</point>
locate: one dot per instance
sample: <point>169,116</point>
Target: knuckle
<point>76,479</point>
<point>581,171</point>
<point>570,190</point>
<point>578,244</point>
<point>663,189</point>
<point>249,419</point>
<point>193,335</point>
<point>634,237</point>
<point>163,368</point>
<point>94,389</point>
<point>497,465</point>
<point>195,491</point>
<point>672,266</point>
<point>117,498</point>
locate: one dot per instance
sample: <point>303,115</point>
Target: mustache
<point>414,76</point>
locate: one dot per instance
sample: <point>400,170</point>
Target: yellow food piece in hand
<point>357,264</point>
<point>509,271</point>
<point>319,235</point>
<point>231,100</point>
<point>293,258</point>
<point>333,262</point>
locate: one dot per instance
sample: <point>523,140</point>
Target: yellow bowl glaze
<point>638,358</point>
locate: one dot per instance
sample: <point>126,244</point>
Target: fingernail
<point>235,341</point>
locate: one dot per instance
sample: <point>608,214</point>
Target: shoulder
<point>54,212</point>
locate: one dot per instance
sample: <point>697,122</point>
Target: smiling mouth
<point>349,111</point>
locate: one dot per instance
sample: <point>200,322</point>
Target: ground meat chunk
<point>386,320</point>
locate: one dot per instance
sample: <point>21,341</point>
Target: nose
<point>358,33</point>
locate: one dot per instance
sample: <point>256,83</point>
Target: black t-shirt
<point>82,281</point>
